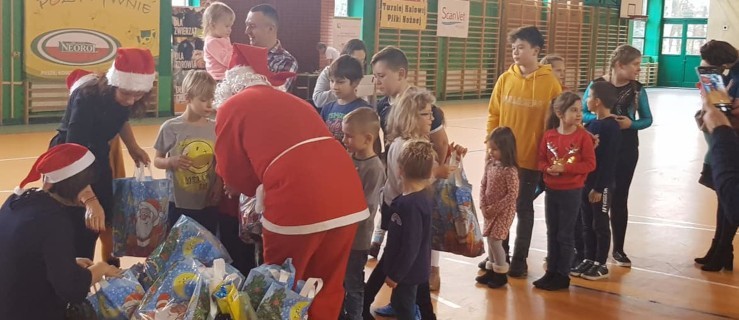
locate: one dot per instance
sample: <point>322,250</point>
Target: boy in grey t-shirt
<point>361,129</point>
<point>185,148</point>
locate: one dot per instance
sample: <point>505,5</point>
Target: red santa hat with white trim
<point>78,77</point>
<point>58,164</point>
<point>133,70</point>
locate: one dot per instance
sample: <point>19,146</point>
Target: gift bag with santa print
<point>117,298</point>
<point>140,207</point>
<point>180,293</point>
<point>261,278</point>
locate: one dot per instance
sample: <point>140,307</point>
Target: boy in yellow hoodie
<point>520,101</point>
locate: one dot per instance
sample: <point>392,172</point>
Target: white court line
<point>34,158</point>
<point>670,220</point>
<point>668,274</point>
<point>670,225</point>
<point>446,302</point>
<point>459,261</point>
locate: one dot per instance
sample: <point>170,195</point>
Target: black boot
<point>482,264</point>
<point>723,258</point>
<point>519,268</point>
<point>486,277</point>
<point>546,278</point>
<point>499,280</point>
<point>557,282</point>
<point>709,254</point>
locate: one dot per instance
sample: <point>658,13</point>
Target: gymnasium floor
<point>671,222</point>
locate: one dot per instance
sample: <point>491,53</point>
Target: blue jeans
<point>561,210</point>
<point>354,285</point>
<point>403,301</point>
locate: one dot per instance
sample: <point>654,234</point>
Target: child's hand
<point>623,122</point>
<point>229,191</point>
<point>556,169</point>
<point>596,139</point>
<point>179,162</point>
<point>443,172</point>
<point>460,150</point>
<point>595,196</point>
<point>390,283</point>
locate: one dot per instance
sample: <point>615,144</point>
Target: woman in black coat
<point>97,112</point>
<point>39,271</point>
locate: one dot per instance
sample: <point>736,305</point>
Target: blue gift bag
<point>454,225</point>
<point>140,206</point>
<point>118,298</point>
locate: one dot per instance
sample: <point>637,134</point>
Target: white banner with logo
<point>453,18</point>
<point>345,29</point>
<point>61,36</point>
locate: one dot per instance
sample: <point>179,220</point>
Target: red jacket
<point>311,185</point>
<point>574,150</point>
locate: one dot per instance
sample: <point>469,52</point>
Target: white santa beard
<point>237,79</point>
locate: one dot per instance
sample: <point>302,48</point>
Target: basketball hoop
<point>637,17</point>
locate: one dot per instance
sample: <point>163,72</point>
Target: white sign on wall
<point>345,29</point>
<point>453,18</point>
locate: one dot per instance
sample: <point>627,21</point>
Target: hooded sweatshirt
<point>522,104</point>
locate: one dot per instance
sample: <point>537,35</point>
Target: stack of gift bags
<point>188,276</point>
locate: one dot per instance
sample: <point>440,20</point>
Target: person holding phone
<point>719,56</point>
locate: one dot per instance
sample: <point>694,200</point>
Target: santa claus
<point>274,146</point>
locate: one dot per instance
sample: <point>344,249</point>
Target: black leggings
<point>625,167</point>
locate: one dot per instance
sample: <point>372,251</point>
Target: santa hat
<point>58,164</point>
<point>256,58</point>
<point>78,77</point>
<point>151,205</point>
<point>132,70</point>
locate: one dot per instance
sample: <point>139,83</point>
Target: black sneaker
<point>584,265</point>
<point>374,250</point>
<point>621,259</point>
<point>113,261</point>
<point>596,272</point>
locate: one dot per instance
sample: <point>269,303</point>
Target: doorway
<point>684,29</point>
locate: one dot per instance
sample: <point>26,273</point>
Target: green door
<point>680,53</point>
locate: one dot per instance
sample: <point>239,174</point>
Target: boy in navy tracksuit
<point>407,256</point>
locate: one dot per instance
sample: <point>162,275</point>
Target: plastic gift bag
<point>261,278</point>
<point>234,303</point>
<point>250,225</point>
<point>280,302</point>
<point>180,293</point>
<point>454,225</point>
<point>140,206</point>
<point>118,298</point>
<point>217,276</point>
<point>187,239</point>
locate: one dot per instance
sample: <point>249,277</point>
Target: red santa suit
<point>312,196</point>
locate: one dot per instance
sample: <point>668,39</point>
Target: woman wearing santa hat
<point>76,79</point>
<point>39,270</point>
<point>274,146</point>
<point>98,111</point>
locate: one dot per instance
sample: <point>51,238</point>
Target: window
<point>179,3</point>
<point>639,30</point>
<point>696,38</point>
<point>341,8</point>
<point>686,8</point>
<point>672,38</point>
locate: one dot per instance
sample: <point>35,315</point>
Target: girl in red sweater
<point>566,156</point>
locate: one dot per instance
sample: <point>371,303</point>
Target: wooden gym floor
<point>671,222</point>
